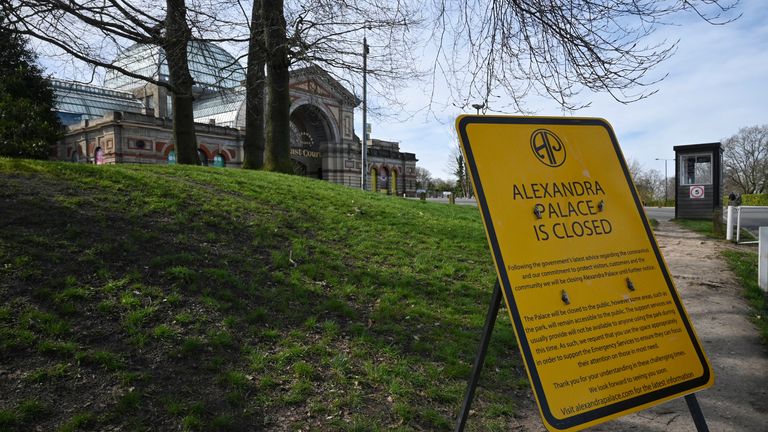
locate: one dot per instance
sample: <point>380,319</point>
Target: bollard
<point>762,259</point>
<point>452,199</point>
<point>729,224</point>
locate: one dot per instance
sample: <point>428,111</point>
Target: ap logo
<point>547,148</point>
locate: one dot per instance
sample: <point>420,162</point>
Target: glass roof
<point>87,102</point>
<point>222,107</point>
<point>211,67</point>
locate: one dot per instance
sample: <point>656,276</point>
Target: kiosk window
<point>696,169</point>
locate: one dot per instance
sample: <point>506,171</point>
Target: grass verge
<point>744,265</point>
<point>706,227</point>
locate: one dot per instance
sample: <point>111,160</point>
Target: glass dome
<point>211,67</point>
<point>224,108</point>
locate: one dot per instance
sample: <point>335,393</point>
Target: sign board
<point>696,192</point>
<point>599,323</point>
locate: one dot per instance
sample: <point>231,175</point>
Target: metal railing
<point>730,223</point>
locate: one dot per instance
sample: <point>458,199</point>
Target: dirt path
<point>739,399</point>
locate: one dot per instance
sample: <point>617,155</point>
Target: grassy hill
<point>190,298</point>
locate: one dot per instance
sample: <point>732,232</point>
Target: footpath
<point>712,296</point>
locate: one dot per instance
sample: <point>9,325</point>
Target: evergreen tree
<point>28,125</point>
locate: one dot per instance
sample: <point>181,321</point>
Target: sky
<point>717,83</point>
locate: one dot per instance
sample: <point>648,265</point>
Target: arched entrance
<point>383,180</point>
<point>393,182</point>
<point>311,135</point>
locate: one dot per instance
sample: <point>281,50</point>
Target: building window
<point>696,169</point>
<point>172,158</point>
<point>137,143</point>
<point>169,106</point>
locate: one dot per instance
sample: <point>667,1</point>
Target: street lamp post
<point>364,146</point>
<point>478,107</point>
<point>666,180</point>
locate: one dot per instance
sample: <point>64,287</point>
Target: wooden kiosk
<point>698,180</point>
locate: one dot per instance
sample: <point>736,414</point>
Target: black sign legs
<point>698,416</point>
<point>490,321</point>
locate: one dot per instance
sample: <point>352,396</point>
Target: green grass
<point>700,226</point>
<point>706,227</point>
<point>744,265</point>
<point>189,298</point>
<point>23,415</point>
<point>654,223</point>
<point>80,421</point>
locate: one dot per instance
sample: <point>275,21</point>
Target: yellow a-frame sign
<point>600,325</point>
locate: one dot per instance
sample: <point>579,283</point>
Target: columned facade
<point>390,170</point>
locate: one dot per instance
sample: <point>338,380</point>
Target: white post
<point>729,224</point>
<point>738,224</point>
<point>762,259</point>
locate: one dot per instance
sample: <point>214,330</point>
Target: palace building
<point>127,120</point>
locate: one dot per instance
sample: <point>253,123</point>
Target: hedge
<point>750,200</point>
<point>754,199</point>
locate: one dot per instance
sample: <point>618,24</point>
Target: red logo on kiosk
<point>696,192</point>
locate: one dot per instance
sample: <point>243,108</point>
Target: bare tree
<point>458,167</point>
<point>277,155</point>
<point>253,145</point>
<point>325,33</point>
<point>746,160</point>
<point>329,34</point>
<point>499,51</point>
<point>93,31</point>
<point>423,178</point>
<point>441,185</point>
<point>174,40</point>
<point>649,183</point>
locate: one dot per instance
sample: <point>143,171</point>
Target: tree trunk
<point>177,36</point>
<point>253,146</point>
<point>277,155</point>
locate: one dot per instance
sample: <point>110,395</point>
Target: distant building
<point>128,121</point>
<point>389,168</point>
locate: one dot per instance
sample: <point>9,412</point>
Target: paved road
<point>660,213</point>
<point>459,201</point>
<point>752,217</point>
